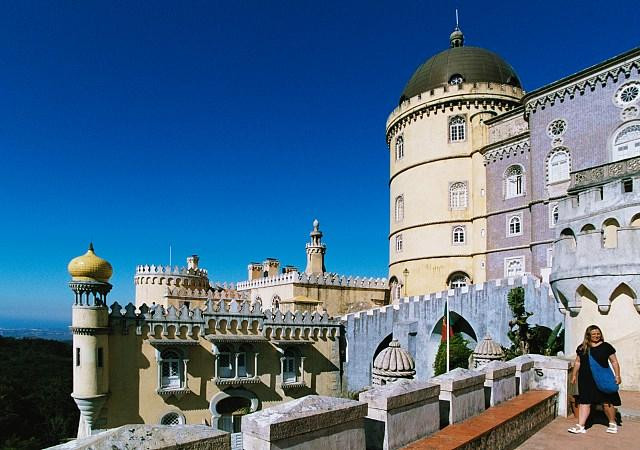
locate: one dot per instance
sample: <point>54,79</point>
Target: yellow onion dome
<point>90,267</point>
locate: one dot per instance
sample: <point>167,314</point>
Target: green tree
<point>459,353</point>
<point>526,338</point>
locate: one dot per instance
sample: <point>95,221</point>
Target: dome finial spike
<point>456,39</point>
<point>457,24</point>
<point>91,247</point>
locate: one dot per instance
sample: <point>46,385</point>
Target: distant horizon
<point>224,129</point>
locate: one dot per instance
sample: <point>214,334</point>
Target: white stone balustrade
<point>307,423</point>
<point>461,395</point>
<point>552,373</point>
<point>400,413</point>
<point>524,373</point>
<point>499,382</point>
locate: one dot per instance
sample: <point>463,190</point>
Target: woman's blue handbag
<point>603,376</point>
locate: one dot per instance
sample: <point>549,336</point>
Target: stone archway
<point>227,400</point>
<point>459,325</point>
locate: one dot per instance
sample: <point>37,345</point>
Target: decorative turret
<point>315,251</point>
<point>456,39</point>
<point>392,364</point>
<point>486,351</point>
<point>90,276</point>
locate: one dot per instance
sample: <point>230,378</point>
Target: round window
<point>627,93</point>
<point>557,128</point>
<point>172,418</point>
<point>456,79</point>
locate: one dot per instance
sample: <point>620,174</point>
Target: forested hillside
<point>36,409</point>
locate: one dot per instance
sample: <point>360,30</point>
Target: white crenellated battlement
<point>223,316</point>
<point>468,94</point>
<point>326,279</point>
<point>522,280</point>
<point>168,270</point>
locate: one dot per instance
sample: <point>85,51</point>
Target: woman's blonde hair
<point>586,342</point>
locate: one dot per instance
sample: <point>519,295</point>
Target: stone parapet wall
<point>326,279</point>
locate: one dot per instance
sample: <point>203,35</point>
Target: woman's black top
<point>588,391</point>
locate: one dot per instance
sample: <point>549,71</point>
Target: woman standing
<point>589,394</point>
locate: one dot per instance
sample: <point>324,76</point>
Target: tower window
<point>399,208</point>
<point>457,129</point>
<point>458,235</point>
<point>458,195</point>
<point>514,225</point>
<point>99,359</point>
<point>558,166</point>
<point>399,243</point>
<point>399,148</point>
<point>553,215</point>
<point>627,185</point>
<point>513,181</point>
<point>77,356</point>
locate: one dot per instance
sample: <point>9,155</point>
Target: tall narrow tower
<point>315,251</point>
<point>438,223</point>
<point>90,327</point>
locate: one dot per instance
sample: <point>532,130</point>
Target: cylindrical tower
<point>90,326</point>
<point>437,182</point>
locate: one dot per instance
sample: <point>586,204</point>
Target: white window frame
<point>510,219</point>
<point>458,195</point>
<point>457,129</point>
<point>514,259</point>
<point>172,369</point>
<point>552,220</point>
<point>399,243</point>
<point>631,147</point>
<point>225,371</point>
<point>399,147</point>
<point>514,181</point>
<point>399,208</point>
<point>455,280</point>
<point>556,174</point>
<point>459,235</point>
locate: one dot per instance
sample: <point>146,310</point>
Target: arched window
<point>456,129</point>
<point>172,370</point>
<point>399,148</point>
<point>513,181</point>
<point>399,243</point>
<point>610,233</point>
<point>399,208</point>
<point>626,142</point>
<point>514,225</point>
<point>553,215</point>
<point>458,235</point>
<point>458,280</point>
<point>172,418</point>
<point>458,195</point>
<point>290,367</point>
<point>558,166</point>
<point>396,289</point>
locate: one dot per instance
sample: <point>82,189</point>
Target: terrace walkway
<point>555,435</point>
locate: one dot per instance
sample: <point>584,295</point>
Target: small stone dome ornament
<point>486,351</point>
<point>392,364</point>
<point>90,267</point>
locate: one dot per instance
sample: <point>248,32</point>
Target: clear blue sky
<point>224,128</point>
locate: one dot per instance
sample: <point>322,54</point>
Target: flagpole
<point>447,301</point>
<point>169,256</point>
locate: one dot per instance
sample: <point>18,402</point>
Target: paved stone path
<point>556,436</point>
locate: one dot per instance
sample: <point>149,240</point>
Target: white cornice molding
<point>580,85</point>
<point>506,151</point>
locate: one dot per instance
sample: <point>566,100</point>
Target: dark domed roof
<point>473,64</point>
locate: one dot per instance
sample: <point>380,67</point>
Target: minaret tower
<point>315,251</point>
<point>90,326</point>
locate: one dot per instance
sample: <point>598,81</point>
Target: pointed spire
<point>91,247</point>
<point>456,39</point>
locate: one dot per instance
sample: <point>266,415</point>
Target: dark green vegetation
<point>530,339</point>
<point>459,353</point>
<point>36,409</point>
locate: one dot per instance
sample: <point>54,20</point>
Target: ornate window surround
<point>457,128</point>
<point>399,147</point>
<point>553,221</point>
<point>514,260</point>
<point>613,156</point>
<point>168,389</point>
<point>510,176</point>
<point>552,154</point>
<point>458,195</point>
